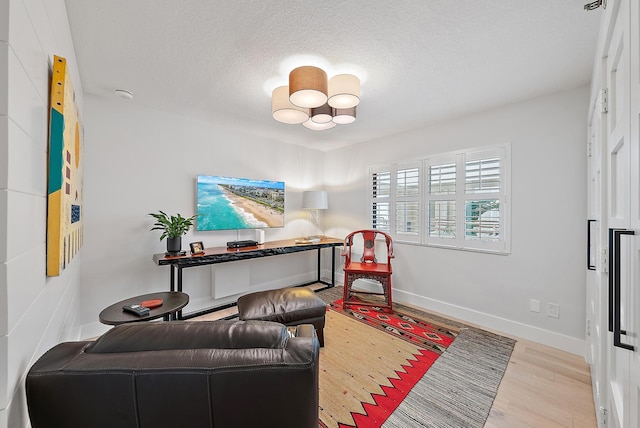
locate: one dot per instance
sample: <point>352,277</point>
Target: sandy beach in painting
<point>264,214</point>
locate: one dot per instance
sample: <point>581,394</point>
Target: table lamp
<point>314,200</point>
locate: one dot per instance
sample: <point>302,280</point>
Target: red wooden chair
<point>367,267</point>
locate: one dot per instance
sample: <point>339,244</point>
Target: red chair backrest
<point>369,250</point>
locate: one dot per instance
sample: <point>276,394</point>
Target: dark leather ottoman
<point>288,306</point>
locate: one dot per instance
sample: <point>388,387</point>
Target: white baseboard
<point>494,323</point>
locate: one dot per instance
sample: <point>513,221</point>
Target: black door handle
<point>589,265</point>
<point>617,331</point>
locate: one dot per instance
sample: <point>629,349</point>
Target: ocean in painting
<point>216,210</point>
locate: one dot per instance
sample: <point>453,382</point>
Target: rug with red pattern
<point>432,337</point>
<point>428,335</point>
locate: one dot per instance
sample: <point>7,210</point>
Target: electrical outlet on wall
<point>553,310</point>
<point>534,305</point>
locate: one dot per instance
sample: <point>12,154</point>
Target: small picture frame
<point>197,247</point>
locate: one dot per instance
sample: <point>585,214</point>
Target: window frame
<point>460,197</point>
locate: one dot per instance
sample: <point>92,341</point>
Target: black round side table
<point>172,302</point>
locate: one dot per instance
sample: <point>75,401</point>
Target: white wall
<point>548,137</point>
<point>140,161</point>
<point>36,312</point>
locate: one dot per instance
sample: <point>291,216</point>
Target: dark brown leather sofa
<point>179,374</point>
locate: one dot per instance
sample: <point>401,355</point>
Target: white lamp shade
<point>322,114</point>
<point>318,126</point>
<point>314,200</point>
<point>343,116</point>
<point>344,91</point>
<point>285,112</point>
<point>308,86</point>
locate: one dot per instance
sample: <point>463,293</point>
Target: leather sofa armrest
<point>183,335</point>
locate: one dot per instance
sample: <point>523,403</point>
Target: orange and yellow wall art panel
<point>64,189</point>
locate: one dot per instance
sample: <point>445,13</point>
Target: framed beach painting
<point>64,186</point>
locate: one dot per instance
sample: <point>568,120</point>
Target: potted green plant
<point>172,227</point>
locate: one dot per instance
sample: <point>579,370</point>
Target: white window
<point>456,200</point>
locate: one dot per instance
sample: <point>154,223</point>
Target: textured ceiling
<point>421,61</point>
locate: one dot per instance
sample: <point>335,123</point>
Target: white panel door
<point>633,329</point>
<point>613,281</point>
<point>617,72</point>
<point>597,290</point>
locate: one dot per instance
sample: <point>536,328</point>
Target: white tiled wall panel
<point>48,311</point>
<point>22,151</point>
<point>36,312</point>
<point>4,151</point>
<point>4,303</point>
<point>4,351</point>
<point>4,21</point>
<point>26,280</point>
<point>28,50</point>
<point>26,216</point>
<point>26,107</point>
<point>4,78</point>
<point>40,326</point>
<point>56,40</point>
<point>40,20</point>
<point>65,292</point>
<point>4,161</point>
<point>3,226</point>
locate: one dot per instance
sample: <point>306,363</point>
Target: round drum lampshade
<point>322,114</point>
<point>308,87</point>
<point>314,200</point>
<point>344,91</point>
<point>285,112</point>
<point>318,126</point>
<point>344,116</point>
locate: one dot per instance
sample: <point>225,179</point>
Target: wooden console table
<point>223,254</point>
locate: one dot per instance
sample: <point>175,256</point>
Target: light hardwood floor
<point>542,387</point>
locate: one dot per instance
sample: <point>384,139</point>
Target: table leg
<point>178,315</point>
<point>333,266</point>
<point>319,257</point>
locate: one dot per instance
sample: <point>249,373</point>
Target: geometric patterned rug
<point>405,369</point>
<point>427,342</point>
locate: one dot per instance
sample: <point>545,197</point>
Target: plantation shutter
<point>381,199</point>
<point>484,199</point>
<point>407,202</point>
<point>441,200</point>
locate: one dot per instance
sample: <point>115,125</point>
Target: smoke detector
<point>123,93</point>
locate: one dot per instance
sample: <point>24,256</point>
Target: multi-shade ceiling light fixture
<point>315,101</point>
